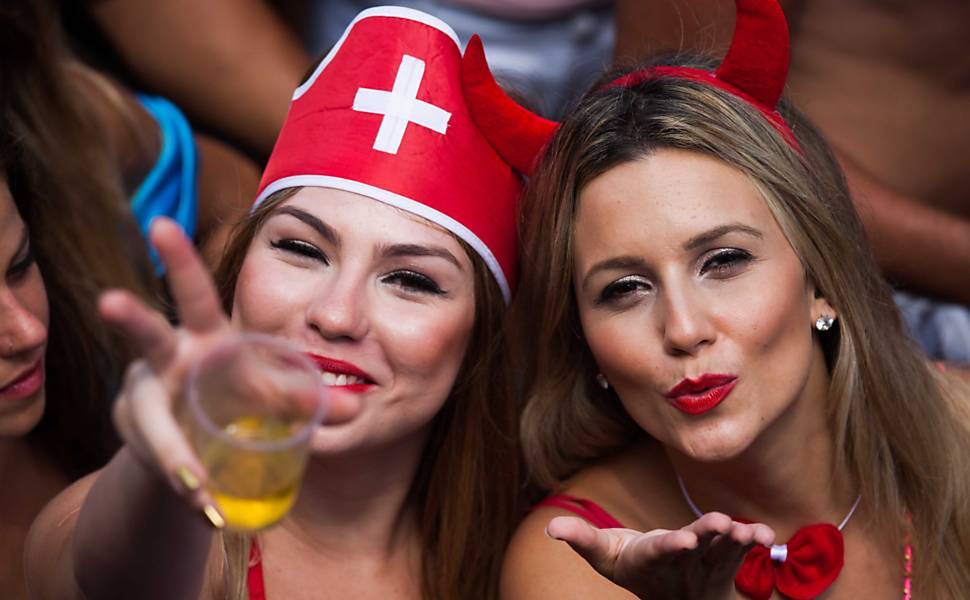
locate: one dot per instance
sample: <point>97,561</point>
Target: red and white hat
<point>395,112</point>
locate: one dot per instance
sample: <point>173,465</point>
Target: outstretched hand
<point>144,412</point>
<point>696,562</point>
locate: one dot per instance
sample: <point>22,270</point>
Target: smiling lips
<point>342,375</point>
<point>698,396</point>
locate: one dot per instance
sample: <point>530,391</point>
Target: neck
<point>357,503</point>
<point>786,479</point>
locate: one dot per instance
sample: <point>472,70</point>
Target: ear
<point>821,306</point>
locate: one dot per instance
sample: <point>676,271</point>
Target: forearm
<point>920,247</point>
<point>136,538</point>
<point>232,64</point>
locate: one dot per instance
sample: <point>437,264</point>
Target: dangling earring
<point>824,322</point>
<point>601,380</point>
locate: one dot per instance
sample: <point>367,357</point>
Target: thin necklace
<point>803,568</point>
<point>697,512</point>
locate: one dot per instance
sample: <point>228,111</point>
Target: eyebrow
<point>717,232</point>
<point>400,250</point>
<point>325,231</point>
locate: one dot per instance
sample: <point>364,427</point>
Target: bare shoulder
<point>537,566</point>
<point>48,564</point>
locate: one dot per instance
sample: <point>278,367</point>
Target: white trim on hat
<point>400,12</point>
<point>399,201</point>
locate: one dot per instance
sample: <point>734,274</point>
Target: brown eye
<point>622,287</point>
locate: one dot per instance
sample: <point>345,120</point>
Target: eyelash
<point>408,280</point>
<point>413,281</point>
<point>726,262</point>
<point>722,264</point>
<point>18,271</point>
<point>621,287</point>
<point>300,248</point>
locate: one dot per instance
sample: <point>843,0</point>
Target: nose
<point>685,324</point>
<point>21,331</point>
<point>339,309</point>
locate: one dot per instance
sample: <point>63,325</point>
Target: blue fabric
<point>169,189</point>
<point>943,330</point>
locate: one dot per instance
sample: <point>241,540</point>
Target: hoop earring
<point>824,322</point>
<point>601,380</point>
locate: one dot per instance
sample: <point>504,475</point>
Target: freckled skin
<point>24,318</point>
<point>682,316</point>
<point>352,307</point>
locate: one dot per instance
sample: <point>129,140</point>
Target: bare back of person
<point>889,84</point>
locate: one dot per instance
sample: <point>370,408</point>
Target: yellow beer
<point>253,483</point>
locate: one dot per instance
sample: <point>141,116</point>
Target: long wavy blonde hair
<point>902,429</point>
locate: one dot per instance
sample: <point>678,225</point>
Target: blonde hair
<point>902,429</point>
<point>468,473</point>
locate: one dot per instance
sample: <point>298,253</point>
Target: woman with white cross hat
<point>383,245</point>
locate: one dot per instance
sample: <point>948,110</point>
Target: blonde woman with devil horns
<point>720,396</point>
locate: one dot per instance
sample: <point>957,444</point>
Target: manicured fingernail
<point>188,478</point>
<point>214,517</point>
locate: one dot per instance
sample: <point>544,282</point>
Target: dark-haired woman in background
<point>65,234</point>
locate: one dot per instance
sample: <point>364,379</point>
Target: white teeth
<point>333,379</point>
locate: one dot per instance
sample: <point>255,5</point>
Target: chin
<point>22,420</point>
<point>713,445</point>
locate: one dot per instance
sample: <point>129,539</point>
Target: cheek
<point>266,297</point>
<point>425,346</point>
<point>622,344</point>
<point>773,321</point>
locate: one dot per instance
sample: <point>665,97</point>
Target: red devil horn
<point>757,61</point>
<point>517,134</point>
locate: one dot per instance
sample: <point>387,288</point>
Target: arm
<point>647,27</point>
<point>121,531</point>
<point>696,562</point>
<point>226,179</point>
<point>921,247</point>
<point>232,64</point>
<point>537,566</point>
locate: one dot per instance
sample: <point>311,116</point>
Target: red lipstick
<point>25,384</point>
<point>339,368</point>
<point>700,395</point>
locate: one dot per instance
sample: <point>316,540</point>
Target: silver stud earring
<point>824,322</point>
<point>601,380</point>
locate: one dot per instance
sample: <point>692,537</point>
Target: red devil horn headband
<point>754,69</point>
<point>517,134</point>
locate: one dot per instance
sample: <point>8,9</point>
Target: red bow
<point>801,569</point>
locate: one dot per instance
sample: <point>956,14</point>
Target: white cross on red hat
<point>385,115</point>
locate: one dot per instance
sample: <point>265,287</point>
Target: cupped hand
<point>144,412</point>
<point>696,562</point>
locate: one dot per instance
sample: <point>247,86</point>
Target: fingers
<point>144,419</point>
<point>189,280</point>
<point>598,547</point>
<point>150,332</point>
